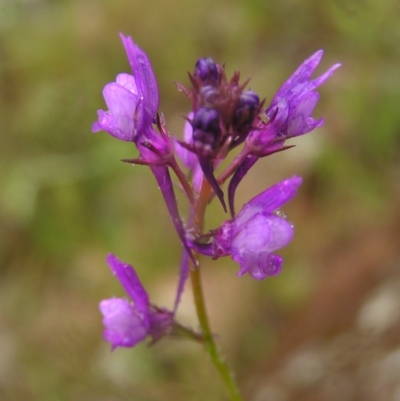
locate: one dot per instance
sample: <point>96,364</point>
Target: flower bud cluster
<point>224,112</point>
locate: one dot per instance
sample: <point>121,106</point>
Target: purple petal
<point>300,76</point>
<point>132,285</point>
<point>267,265</point>
<point>271,199</point>
<point>144,77</point>
<point>264,232</point>
<point>290,112</point>
<point>300,121</point>
<point>119,120</point>
<point>252,247</point>
<point>321,79</point>
<point>128,82</point>
<point>123,327</point>
<point>300,80</point>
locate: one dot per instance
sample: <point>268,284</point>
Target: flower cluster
<point>224,115</point>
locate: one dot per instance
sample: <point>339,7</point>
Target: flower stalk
<point>224,115</point>
<point>210,345</point>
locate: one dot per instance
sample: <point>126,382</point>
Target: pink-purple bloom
<point>256,232</point>
<point>290,112</point>
<point>132,102</point>
<point>132,99</point>
<point>288,115</point>
<point>128,322</point>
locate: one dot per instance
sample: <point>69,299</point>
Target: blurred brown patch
<point>350,275</point>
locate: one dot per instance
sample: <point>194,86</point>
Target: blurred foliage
<point>67,200</point>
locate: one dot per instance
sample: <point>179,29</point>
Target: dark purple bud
<point>207,69</point>
<point>246,109</point>
<point>206,130</point>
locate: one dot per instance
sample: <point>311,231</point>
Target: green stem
<point>195,275</point>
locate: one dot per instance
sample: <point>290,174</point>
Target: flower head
<point>288,115</point>
<point>290,112</point>
<point>256,232</point>
<point>130,322</point>
<point>132,102</point>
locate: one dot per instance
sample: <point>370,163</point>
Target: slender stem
<point>210,345</point>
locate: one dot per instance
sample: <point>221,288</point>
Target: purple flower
<point>122,100</point>
<point>132,102</point>
<point>130,322</point>
<point>256,232</point>
<point>290,112</point>
<point>289,115</point>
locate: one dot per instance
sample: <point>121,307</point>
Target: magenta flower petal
<point>266,265</point>
<point>301,121</point>
<point>271,199</point>
<point>290,112</point>
<point>296,98</point>
<point>118,121</point>
<point>256,239</point>
<point>299,81</point>
<point>132,100</point>
<point>145,80</point>
<point>132,285</point>
<point>128,82</point>
<point>123,327</point>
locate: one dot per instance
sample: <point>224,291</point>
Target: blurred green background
<point>326,329</point>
